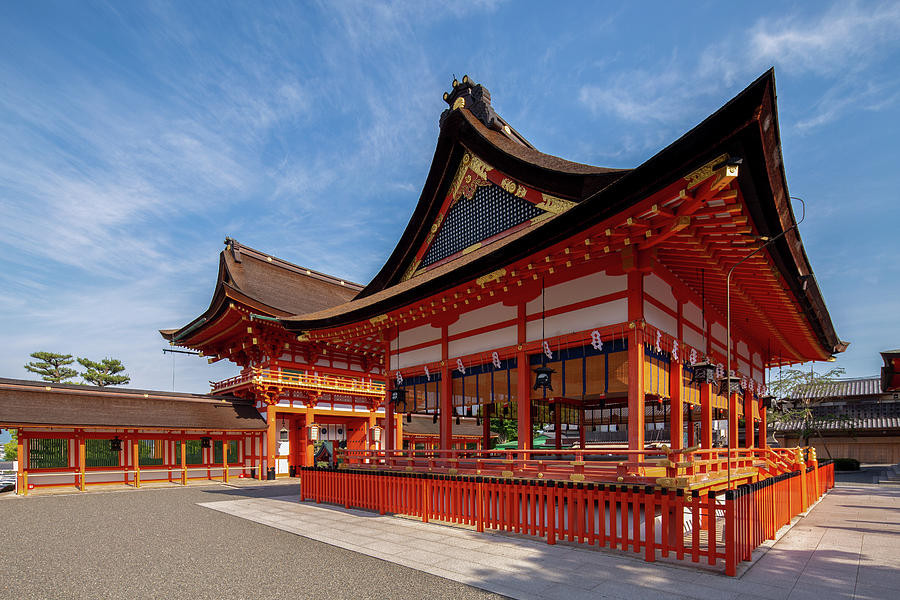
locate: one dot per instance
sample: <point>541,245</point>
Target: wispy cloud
<point>838,47</point>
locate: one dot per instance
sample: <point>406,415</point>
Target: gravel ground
<point>159,544</point>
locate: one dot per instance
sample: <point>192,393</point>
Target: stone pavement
<point>846,547</point>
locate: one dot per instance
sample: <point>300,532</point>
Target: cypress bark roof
<point>747,126</point>
<point>268,286</point>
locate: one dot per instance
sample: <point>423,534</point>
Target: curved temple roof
<point>745,127</point>
<point>267,285</point>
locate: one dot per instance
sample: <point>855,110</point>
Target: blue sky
<point>134,137</point>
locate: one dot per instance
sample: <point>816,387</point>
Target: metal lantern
<point>730,385</point>
<point>205,442</point>
<point>703,372</point>
<point>543,378</point>
<point>115,444</point>
<point>398,396</point>
<point>767,401</point>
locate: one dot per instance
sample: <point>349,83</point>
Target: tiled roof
<point>841,388</point>
<point>884,415</point>
<point>39,403</point>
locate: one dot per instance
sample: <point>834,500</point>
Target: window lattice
<point>491,210</point>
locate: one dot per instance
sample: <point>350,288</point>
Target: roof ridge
<point>6,382</point>
<point>232,243</point>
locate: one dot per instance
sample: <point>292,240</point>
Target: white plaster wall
<point>742,349</point>
<point>757,361</point>
<point>692,313</point>
<point>694,339</point>
<point>718,332</point>
<point>660,319</point>
<point>583,288</point>
<point>340,364</point>
<point>418,335</point>
<point>417,357</point>
<point>655,287</point>
<point>580,320</point>
<point>483,342</point>
<point>487,315</point>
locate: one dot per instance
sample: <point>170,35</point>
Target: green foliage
<point>795,388</point>
<point>846,464</point>
<point>52,366</point>
<point>507,430</point>
<point>103,373</point>
<point>11,448</point>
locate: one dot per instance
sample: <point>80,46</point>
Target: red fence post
<point>649,522</point>
<point>730,562</point>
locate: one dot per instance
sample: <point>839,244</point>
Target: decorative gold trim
<point>378,319</point>
<point>472,248</point>
<point>704,172</point>
<point>459,103</point>
<point>554,205</point>
<point>493,276</point>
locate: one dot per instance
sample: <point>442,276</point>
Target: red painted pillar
<point>733,432</point>
<point>523,385</point>
<point>763,441</point>
<point>445,419</point>
<point>390,442</point>
<point>748,419</point>
<point>636,425</point>
<point>676,406</point>
<point>706,415</point>
<point>271,419</point>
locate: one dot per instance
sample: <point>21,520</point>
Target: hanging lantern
<point>398,396</point>
<point>730,385</point>
<point>434,417</point>
<point>767,401</point>
<point>703,372</point>
<point>205,442</point>
<point>115,444</point>
<point>409,417</point>
<point>543,378</point>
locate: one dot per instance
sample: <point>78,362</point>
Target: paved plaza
<point>258,541</point>
<point>160,544</point>
<point>846,547</point>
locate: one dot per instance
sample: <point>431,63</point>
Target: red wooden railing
<point>721,529</point>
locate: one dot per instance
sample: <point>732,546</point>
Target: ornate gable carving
<point>482,205</point>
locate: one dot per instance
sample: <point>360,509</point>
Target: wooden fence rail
<point>721,529</point>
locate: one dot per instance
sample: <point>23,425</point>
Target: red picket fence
<point>721,529</point>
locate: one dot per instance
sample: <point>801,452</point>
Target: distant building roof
<point>861,417</point>
<point>39,403</point>
<point>841,389</point>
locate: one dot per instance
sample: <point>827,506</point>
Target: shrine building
<point>621,313</point>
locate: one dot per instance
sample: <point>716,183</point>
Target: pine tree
<point>52,367</point>
<point>103,373</point>
<point>11,448</point>
<point>796,390</point>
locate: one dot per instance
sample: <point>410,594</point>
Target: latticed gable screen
<point>490,211</point>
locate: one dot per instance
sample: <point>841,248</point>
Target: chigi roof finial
<point>475,97</point>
